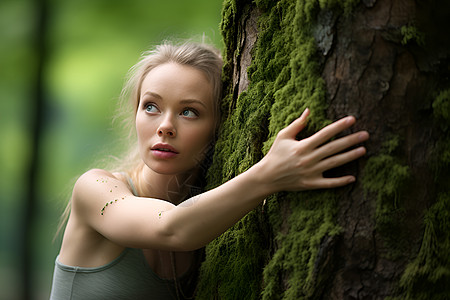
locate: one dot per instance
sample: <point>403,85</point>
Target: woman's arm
<point>290,165</point>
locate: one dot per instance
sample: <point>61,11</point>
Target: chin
<point>169,169</point>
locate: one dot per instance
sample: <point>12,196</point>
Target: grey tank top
<point>127,277</point>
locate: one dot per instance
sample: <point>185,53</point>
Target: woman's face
<point>175,118</point>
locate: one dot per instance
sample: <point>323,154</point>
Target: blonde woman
<point>133,234</point>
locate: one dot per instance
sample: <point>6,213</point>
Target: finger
<point>341,144</point>
<point>331,130</point>
<point>326,183</point>
<point>340,159</point>
<point>296,126</point>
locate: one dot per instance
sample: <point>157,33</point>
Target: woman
<point>133,234</point>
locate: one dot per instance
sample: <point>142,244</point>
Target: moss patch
<point>293,272</point>
<point>385,176</point>
<point>428,275</point>
<point>441,109</point>
<point>411,33</point>
<point>233,263</point>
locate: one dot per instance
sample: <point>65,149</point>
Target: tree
<point>36,125</point>
<point>388,235</point>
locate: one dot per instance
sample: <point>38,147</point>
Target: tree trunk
<point>388,235</point>
<point>36,110</point>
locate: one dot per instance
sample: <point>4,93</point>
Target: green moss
<point>386,177</point>
<point>312,220</point>
<point>441,109</point>
<point>411,33</point>
<point>428,275</point>
<point>233,263</point>
<point>440,156</point>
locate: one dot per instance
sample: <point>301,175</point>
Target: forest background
<point>90,45</point>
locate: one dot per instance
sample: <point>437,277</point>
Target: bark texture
<point>388,235</point>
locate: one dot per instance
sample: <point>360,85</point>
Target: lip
<point>164,150</point>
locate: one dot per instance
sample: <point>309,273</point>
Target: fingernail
<point>349,120</point>
<point>362,136</point>
<point>361,150</point>
<point>351,179</point>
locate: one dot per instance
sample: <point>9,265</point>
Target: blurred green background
<point>91,45</point>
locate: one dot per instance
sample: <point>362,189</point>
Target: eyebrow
<point>184,101</point>
<point>190,101</point>
<point>155,95</point>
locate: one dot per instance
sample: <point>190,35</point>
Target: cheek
<point>139,128</point>
<point>143,127</point>
<point>200,141</point>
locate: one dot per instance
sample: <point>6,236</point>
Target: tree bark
<point>387,63</point>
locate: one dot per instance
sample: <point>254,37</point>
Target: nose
<point>167,128</point>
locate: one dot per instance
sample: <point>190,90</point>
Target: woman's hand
<point>293,165</point>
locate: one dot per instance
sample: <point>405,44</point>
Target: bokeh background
<point>90,45</point>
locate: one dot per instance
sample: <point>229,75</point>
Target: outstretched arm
<point>290,165</point>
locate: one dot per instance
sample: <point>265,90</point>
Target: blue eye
<point>151,108</point>
<point>189,113</point>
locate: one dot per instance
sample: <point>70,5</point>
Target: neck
<point>172,188</point>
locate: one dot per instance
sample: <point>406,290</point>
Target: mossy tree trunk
<point>388,235</point>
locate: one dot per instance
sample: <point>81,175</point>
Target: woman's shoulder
<point>93,185</point>
<point>95,172</point>
<point>95,176</point>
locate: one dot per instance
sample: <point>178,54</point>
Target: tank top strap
<point>130,183</point>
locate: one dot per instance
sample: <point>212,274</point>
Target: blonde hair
<point>200,56</point>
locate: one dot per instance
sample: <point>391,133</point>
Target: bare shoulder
<point>96,187</point>
<point>103,203</point>
<point>97,174</point>
<point>88,183</point>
